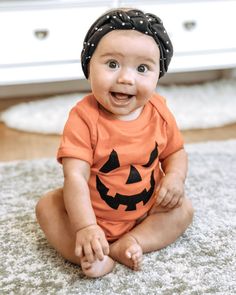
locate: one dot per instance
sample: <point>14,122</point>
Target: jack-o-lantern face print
<point>130,201</point>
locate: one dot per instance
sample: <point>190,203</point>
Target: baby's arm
<point>170,191</point>
<point>90,238</point>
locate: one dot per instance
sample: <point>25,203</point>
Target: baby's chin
<point>128,115</point>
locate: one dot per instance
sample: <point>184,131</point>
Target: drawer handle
<point>41,34</point>
<point>189,25</point>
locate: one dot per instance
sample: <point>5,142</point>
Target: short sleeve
<point>173,139</point>
<point>76,138</point>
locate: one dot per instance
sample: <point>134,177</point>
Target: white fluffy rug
<point>205,105</point>
<point>202,261</point>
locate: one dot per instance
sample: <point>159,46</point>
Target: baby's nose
<point>126,76</point>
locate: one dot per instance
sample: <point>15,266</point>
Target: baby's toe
<point>137,261</point>
<point>133,251</point>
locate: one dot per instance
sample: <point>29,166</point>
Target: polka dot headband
<point>145,23</point>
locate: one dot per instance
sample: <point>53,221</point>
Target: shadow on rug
<point>202,261</point>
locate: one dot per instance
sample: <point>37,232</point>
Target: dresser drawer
<point>198,26</point>
<point>46,35</point>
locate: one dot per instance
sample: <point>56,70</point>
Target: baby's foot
<point>128,252</point>
<point>98,268</point>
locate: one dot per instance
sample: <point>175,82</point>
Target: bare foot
<point>128,252</point>
<point>98,268</point>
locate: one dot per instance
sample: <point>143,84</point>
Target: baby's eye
<point>142,68</point>
<point>113,64</point>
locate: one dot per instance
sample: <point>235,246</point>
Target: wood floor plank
<point>16,145</point>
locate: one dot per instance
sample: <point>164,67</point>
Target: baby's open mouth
<point>121,96</point>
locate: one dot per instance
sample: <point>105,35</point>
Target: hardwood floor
<point>17,145</point>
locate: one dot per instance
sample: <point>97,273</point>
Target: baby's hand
<point>170,192</point>
<point>91,243</point>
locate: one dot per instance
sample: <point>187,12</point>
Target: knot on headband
<point>146,23</point>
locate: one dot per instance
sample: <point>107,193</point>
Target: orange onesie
<point>124,157</point>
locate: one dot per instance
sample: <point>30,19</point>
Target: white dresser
<point>40,41</point>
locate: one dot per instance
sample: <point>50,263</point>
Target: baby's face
<point>124,71</point>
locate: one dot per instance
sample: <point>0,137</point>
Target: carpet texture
<point>202,261</point>
<point>205,105</point>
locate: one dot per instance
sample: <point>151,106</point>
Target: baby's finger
<point>105,246</point>
<point>161,195</point>
<point>167,199</point>
<point>180,202</point>
<point>173,202</point>
<point>88,252</point>
<point>79,251</point>
<point>97,249</point>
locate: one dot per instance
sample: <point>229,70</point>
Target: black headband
<point>145,23</point>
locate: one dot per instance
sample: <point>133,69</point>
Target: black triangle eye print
<point>112,163</point>
<point>153,156</point>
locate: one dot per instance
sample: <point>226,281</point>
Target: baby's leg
<point>156,231</point>
<point>160,229</point>
<point>54,221</point>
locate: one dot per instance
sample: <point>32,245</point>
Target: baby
<point>122,153</point>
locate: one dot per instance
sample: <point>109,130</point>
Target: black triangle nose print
<point>112,163</point>
<point>134,176</point>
